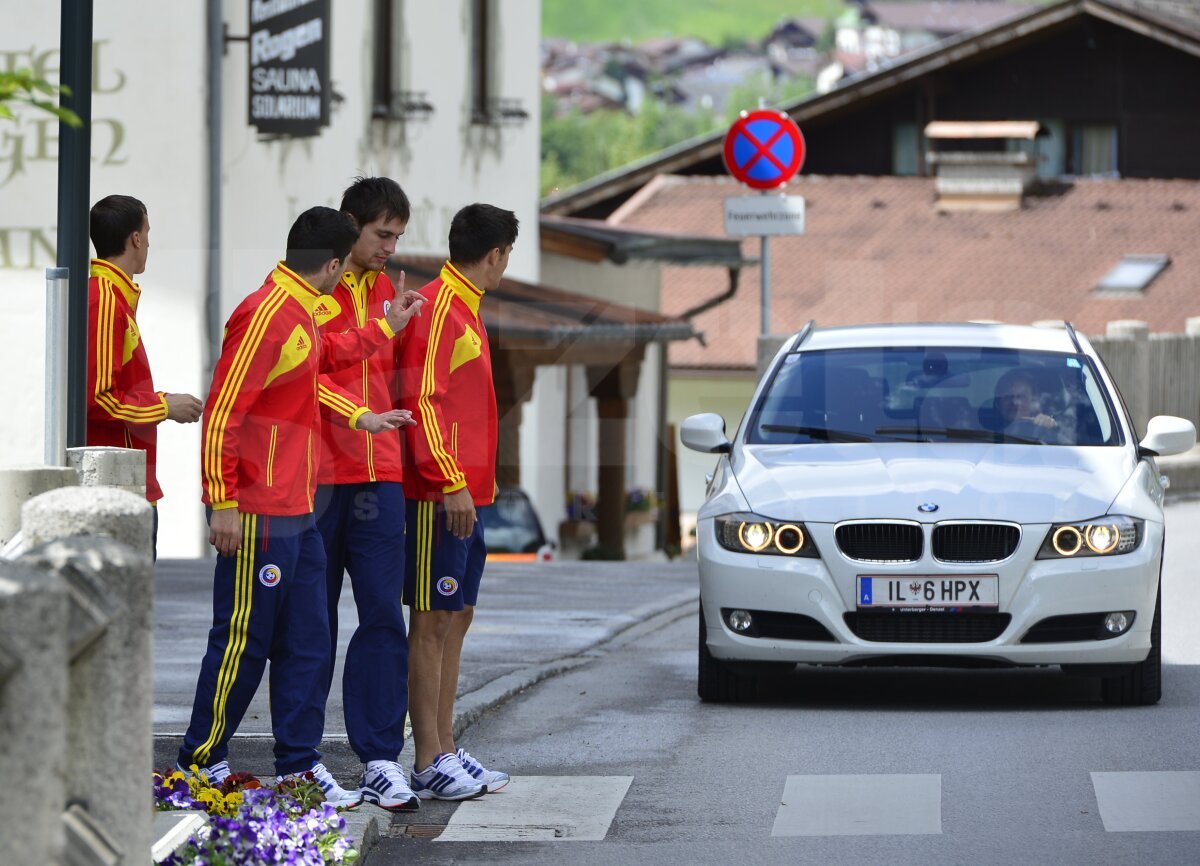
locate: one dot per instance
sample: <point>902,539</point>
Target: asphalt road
<point>616,761</point>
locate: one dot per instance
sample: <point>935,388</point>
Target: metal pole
<point>56,366</point>
<point>212,297</point>
<point>765,272</point>
<point>74,180</point>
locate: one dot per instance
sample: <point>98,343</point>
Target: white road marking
<point>541,808</point>
<point>1165,800</point>
<point>860,806</point>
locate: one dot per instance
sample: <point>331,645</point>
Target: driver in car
<point>1019,408</point>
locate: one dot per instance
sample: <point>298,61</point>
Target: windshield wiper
<point>965,434</point>
<point>831,435</point>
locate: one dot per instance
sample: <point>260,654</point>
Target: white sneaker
<point>335,794</point>
<point>445,779</point>
<point>383,784</point>
<point>494,779</point>
<point>215,774</point>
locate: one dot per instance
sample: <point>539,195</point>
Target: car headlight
<point>752,533</point>
<point>1105,536</point>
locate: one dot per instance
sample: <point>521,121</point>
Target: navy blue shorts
<point>442,571</point>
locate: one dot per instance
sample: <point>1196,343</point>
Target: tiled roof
<point>876,250</point>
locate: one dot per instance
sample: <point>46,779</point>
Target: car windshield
<point>935,394</point>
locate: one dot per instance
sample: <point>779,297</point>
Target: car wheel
<point>1141,685</point>
<point>716,683</point>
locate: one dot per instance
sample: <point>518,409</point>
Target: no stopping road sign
<point>764,148</point>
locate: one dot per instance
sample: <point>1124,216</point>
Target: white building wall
<point>150,141</point>
<point>634,284</point>
<point>543,447</point>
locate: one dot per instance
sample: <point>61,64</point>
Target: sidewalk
<point>533,621</point>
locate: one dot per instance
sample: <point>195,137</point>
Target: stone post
<point>33,718</point>
<point>1136,388</point>
<point>19,484</point>
<point>109,754</point>
<point>110,467</point>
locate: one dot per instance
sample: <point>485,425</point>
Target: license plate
<point>927,592</point>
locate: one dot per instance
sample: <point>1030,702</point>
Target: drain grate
<point>416,831</point>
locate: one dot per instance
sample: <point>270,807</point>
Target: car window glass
<point>957,394</point>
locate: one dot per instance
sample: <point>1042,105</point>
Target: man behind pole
<point>124,410</point>
<point>446,380</point>
<point>259,456</point>
<point>360,503</point>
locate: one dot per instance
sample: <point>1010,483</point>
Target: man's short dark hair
<point>318,235</point>
<point>113,219</point>
<point>478,229</point>
<point>370,198</point>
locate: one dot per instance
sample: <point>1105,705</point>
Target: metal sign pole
<point>765,267</point>
<point>74,173</point>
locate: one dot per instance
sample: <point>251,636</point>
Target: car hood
<point>826,483</point>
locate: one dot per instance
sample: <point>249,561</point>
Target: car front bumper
<point>1031,590</point>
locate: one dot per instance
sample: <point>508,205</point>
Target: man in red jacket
<point>124,409</point>
<point>446,381</point>
<point>261,435</point>
<point>360,502</point>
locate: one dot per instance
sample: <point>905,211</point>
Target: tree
<point>21,87</point>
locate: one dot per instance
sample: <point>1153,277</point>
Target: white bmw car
<point>959,494</point>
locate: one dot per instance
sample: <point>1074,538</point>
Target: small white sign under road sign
<point>764,215</point>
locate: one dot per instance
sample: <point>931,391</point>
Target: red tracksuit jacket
<point>124,410</point>
<point>446,381</point>
<point>350,456</point>
<point>261,419</point>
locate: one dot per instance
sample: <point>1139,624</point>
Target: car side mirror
<point>1166,434</point>
<point>705,433</point>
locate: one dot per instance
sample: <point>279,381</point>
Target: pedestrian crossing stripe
<point>582,808</point>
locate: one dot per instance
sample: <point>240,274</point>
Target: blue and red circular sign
<point>764,148</point>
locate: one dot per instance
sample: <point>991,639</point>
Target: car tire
<point>716,683</point>
<point>1141,685</point>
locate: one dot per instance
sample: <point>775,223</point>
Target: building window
<point>1094,150</point>
<point>1132,274</point>
<point>483,57</point>
<point>389,99</point>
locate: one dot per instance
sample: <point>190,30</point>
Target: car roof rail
<point>803,335</point>
<point>1074,339</point>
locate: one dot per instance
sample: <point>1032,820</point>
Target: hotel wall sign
<point>289,66</point>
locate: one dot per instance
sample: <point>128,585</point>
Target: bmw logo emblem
<point>927,507</point>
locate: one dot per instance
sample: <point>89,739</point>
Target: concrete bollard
<point>33,717</point>
<point>19,484</point>
<point>109,742</point>
<point>110,467</point>
<point>1135,384</point>
<point>105,511</point>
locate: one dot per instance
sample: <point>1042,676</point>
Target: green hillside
<point>638,20</point>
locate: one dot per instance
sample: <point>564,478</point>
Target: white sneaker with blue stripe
<point>383,784</point>
<point>214,773</point>
<point>335,794</point>
<point>445,779</point>
<point>494,779</point>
